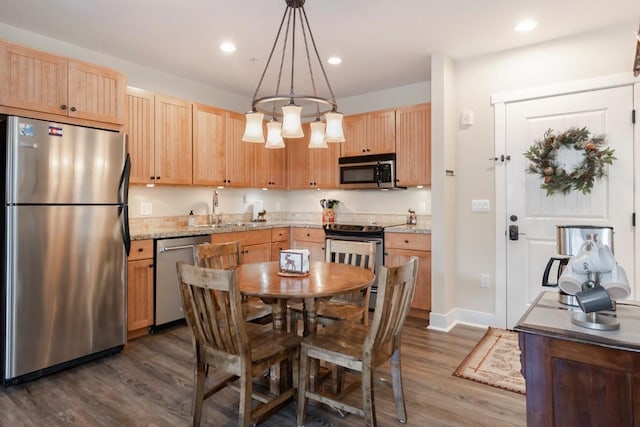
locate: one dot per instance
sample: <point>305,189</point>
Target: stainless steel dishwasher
<point>168,303</point>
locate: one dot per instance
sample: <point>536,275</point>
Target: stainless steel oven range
<point>361,233</point>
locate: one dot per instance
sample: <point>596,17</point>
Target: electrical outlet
<point>480,205</point>
<point>146,208</point>
<point>422,208</point>
<point>484,280</point>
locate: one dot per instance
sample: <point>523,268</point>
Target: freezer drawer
<point>168,302</point>
<point>65,285</point>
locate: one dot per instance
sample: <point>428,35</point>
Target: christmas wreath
<point>595,156</point>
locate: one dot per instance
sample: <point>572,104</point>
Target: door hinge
<point>633,116</point>
<point>633,219</point>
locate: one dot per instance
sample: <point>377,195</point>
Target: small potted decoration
<point>328,215</point>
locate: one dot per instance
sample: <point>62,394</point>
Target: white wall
<point>590,55</point>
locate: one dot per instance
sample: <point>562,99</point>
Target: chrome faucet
<point>214,205</point>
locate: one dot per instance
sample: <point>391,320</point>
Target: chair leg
<point>303,385</point>
<point>198,390</point>
<point>368,398</point>
<point>245,399</point>
<point>398,393</point>
<point>337,378</point>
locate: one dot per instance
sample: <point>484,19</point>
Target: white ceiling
<point>383,43</point>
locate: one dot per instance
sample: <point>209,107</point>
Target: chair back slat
<point>359,254</point>
<point>220,256</point>
<point>396,286</point>
<point>211,300</point>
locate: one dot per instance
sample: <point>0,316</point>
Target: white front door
<point>610,203</point>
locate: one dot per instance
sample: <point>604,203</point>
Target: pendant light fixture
<point>290,108</point>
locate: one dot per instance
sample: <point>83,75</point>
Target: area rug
<point>495,361</point>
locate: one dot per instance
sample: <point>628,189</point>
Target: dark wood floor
<point>149,384</point>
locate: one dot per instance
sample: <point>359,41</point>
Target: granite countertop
<point>163,233</point>
<point>548,317</point>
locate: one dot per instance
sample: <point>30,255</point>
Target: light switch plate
<point>145,208</point>
<point>480,205</point>
<point>422,207</point>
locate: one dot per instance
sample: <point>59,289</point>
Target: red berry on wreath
<point>547,179</point>
<point>590,147</point>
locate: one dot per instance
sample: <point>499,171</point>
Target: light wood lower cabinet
<point>279,242</point>
<point>309,238</point>
<point>140,288</point>
<point>399,248</point>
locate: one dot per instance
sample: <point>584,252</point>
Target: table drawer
<point>413,241</point>
<point>141,249</point>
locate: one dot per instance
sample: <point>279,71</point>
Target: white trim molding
<point>446,322</point>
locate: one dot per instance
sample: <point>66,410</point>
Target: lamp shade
<point>291,124</point>
<point>274,135</point>
<point>334,127</point>
<point>317,135</point>
<point>253,128</point>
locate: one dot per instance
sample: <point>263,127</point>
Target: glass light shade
<point>253,128</point>
<point>291,125</point>
<point>274,135</point>
<point>317,135</point>
<point>334,127</point>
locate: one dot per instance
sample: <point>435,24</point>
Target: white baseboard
<point>445,322</point>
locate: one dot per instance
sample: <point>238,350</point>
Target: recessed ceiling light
<point>526,25</point>
<point>334,60</point>
<point>228,47</point>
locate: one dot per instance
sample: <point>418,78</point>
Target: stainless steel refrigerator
<point>65,245</point>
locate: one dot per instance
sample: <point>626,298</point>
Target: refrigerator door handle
<point>123,213</point>
<point>123,195</point>
<point>123,190</point>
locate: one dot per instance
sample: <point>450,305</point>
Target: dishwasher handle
<point>176,248</point>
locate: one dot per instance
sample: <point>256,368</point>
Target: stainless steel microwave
<point>371,171</point>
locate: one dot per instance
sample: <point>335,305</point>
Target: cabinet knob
<point>73,108</point>
<point>406,241</point>
<point>63,107</point>
<point>140,249</point>
<point>150,265</point>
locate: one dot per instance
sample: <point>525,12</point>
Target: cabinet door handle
<point>73,108</point>
<point>150,265</point>
<point>140,249</point>
<point>63,107</point>
<point>406,241</point>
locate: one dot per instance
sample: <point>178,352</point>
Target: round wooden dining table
<point>325,279</point>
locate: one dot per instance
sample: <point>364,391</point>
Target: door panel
<point>610,203</point>
<point>55,163</point>
<point>66,284</point>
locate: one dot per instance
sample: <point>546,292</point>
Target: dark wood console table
<point>577,376</point>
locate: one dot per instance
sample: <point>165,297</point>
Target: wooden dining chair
<point>354,305</point>
<point>233,348</point>
<point>361,349</point>
<point>224,256</point>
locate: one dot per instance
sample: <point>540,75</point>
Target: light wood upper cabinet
<point>413,145</point>
<point>369,133</point>
<point>140,132</point>
<point>240,154</point>
<point>37,81</point>
<point>209,148</point>
<point>270,167</point>
<point>311,167</point>
<point>96,93</point>
<point>173,149</point>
